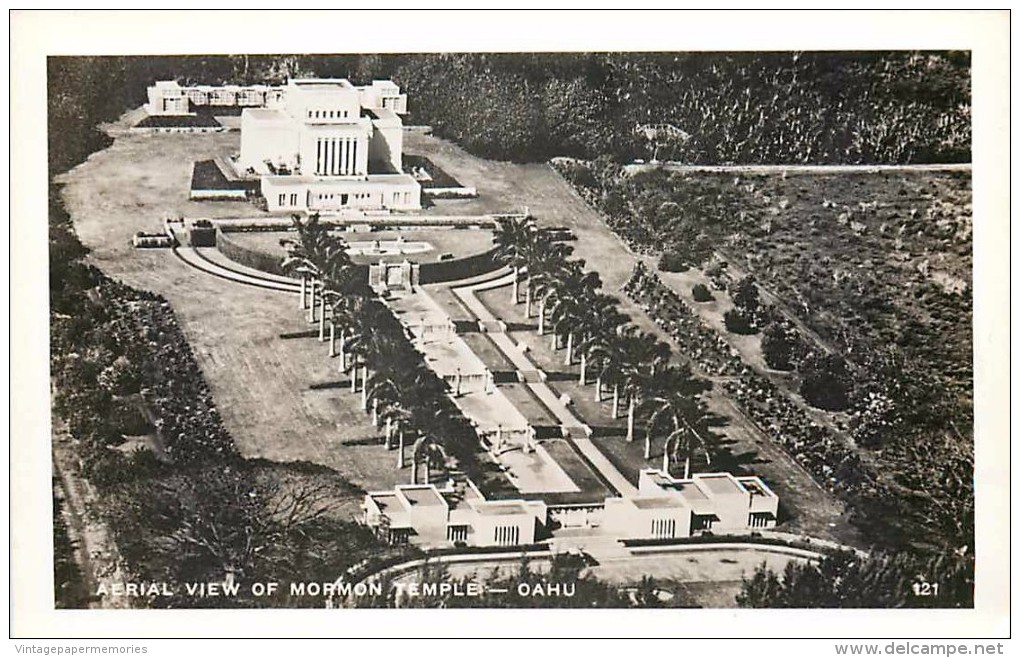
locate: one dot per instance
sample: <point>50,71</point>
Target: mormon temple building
<point>317,145</point>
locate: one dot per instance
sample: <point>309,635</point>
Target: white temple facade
<point>330,146</point>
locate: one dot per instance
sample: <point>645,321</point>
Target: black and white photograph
<point>660,327</point>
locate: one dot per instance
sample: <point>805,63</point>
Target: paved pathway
<point>199,260</point>
<point>541,390</point>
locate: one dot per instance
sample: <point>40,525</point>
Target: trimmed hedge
<point>708,539</point>
<point>253,258</point>
<point>202,234</point>
<point>462,268</point>
<point>450,270</point>
<point>476,550</point>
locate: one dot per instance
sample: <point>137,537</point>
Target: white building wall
<point>732,510</point>
<point>322,103</point>
<point>276,141</point>
<point>339,194</point>
<point>503,530</point>
<point>621,518</point>
<point>387,145</point>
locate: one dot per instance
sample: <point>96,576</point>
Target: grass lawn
<point>485,350</point>
<point>592,488</point>
<point>184,121</point>
<point>454,308</point>
<point>529,406</point>
<point>135,184</point>
<point>280,398</point>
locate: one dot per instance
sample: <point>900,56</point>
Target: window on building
<point>457,532</point>
<point>663,528</point>
<point>293,199</point>
<point>283,200</point>
<point>506,535</point>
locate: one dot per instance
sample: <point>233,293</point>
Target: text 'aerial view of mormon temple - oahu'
<point>512,330</point>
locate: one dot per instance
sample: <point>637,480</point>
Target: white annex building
<point>664,507</point>
<point>330,146</point>
<point>457,513</point>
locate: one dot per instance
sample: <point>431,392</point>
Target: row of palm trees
<point>611,352</point>
<point>396,386</point>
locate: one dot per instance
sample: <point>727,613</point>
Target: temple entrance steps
<point>575,431</point>
<point>492,326</point>
<point>530,376</point>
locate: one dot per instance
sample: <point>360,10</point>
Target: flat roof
<point>658,502</point>
<point>690,491</point>
<point>265,114</point>
<point>386,501</point>
<point>755,486</point>
<point>381,114</point>
<point>321,82</point>
<point>425,496</point>
<point>493,508</point>
<point>459,498</point>
<point>720,484</point>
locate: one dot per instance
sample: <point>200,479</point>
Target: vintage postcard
<point>662,327</point>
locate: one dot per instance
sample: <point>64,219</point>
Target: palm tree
<point>428,451</point>
<point>643,355</point>
<point>299,262</point>
<point>354,344</point>
<point>684,441</point>
<point>673,396</point>
<point>401,419</point>
<point>546,275</point>
<point>607,357</point>
<point>397,418</point>
<point>569,303</point>
<point>430,422</point>
<point>598,324</point>
<point>541,254</point>
<point>511,237</point>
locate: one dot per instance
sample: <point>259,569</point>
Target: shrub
<point>701,293</point>
<point>827,383</point>
<point>716,268</point>
<point>781,346</point>
<point>745,294</point>
<point>671,261</point>
<point>128,419</point>
<point>739,322</point>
